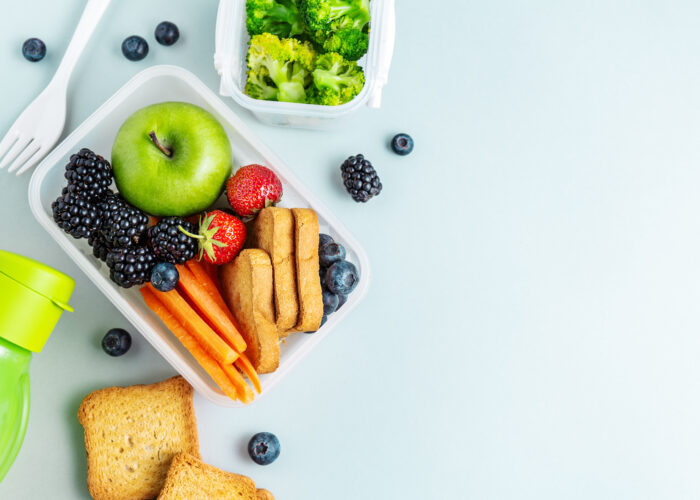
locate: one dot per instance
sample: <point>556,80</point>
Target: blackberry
<point>100,249</point>
<point>75,215</point>
<point>360,178</point>
<point>89,175</point>
<point>130,266</point>
<point>123,225</point>
<point>169,243</point>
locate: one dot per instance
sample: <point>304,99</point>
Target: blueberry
<point>330,253</point>
<point>33,49</point>
<point>323,320</point>
<point>330,302</point>
<point>342,277</point>
<point>167,33</point>
<point>402,144</point>
<point>116,342</point>
<point>164,276</point>
<point>342,299</point>
<point>134,48</point>
<point>323,239</point>
<point>264,448</point>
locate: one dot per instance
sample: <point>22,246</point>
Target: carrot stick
<point>213,272</point>
<point>195,325</point>
<point>203,357</point>
<point>210,309</point>
<point>244,392</point>
<point>244,364</point>
<point>205,280</point>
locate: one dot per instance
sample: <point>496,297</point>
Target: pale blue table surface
<point>532,328</point>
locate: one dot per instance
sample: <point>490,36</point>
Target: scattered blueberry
<point>330,253</point>
<point>342,299</point>
<point>402,144</point>
<point>342,277</point>
<point>323,239</point>
<point>164,276</point>
<point>330,302</point>
<point>134,48</point>
<point>116,342</point>
<point>264,448</point>
<point>167,33</point>
<point>33,49</point>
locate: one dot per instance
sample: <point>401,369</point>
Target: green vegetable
<point>338,25</point>
<point>335,80</point>
<point>279,17</point>
<point>279,69</point>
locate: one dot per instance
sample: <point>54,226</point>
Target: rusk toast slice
<point>132,435</point>
<point>273,231</point>
<point>191,479</point>
<point>247,288</point>
<point>308,281</point>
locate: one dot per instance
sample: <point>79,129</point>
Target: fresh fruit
<point>360,178</point>
<point>33,49</point>
<point>171,158</point>
<point>134,48</point>
<point>330,253</point>
<point>330,302</point>
<point>100,248</point>
<point>130,266</point>
<point>167,33</point>
<point>122,225</point>
<point>164,276</point>
<point>342,299</point>
<point>170,243</point>
<point>402,144</point>
<point>253,188</point>
<point>116,342</point>
<point>342,277</point>
<point>221,236</point>
<point>89,175</point>
<point>264,448</point>
<point>323,239</point>
<point>75,215</point>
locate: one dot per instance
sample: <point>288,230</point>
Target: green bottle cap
<point>32,298</point>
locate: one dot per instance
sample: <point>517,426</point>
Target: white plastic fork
<point>38,128</point>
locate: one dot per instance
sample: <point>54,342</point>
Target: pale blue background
<point>532,330</point>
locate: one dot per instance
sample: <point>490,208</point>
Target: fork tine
<point>15,150</point>
<point>31,162</point>
<point>29,152</point>
<point>7,141</point>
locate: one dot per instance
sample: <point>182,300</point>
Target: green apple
<point>171,158</point>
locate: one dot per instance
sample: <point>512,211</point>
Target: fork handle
<point>86,26</point>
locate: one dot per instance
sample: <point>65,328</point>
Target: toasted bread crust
<point>247,288</point>
<point>264,495</point>
<point>273,231</point>
<point>308,281</point>
<point>190,478</point>
<point>132,434</point>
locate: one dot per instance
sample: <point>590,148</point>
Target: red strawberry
<point>253,188</point>
<point>221,236</point>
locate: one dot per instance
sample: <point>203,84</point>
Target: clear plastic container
<point>230,61</point>
<point>170,83</point>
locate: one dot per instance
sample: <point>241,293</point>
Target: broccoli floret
<point>279,69</point>
<point>279,17</point>
<point>338,25</point>
<point>336,80</point>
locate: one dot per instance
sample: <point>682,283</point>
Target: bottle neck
<point>12,354</point>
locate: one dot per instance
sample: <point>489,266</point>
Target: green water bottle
<point>32,298</point>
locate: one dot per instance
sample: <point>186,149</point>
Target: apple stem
<point>155,140</point>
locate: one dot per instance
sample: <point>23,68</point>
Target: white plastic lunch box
<point>230,61</point>
<point>170,83</point>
